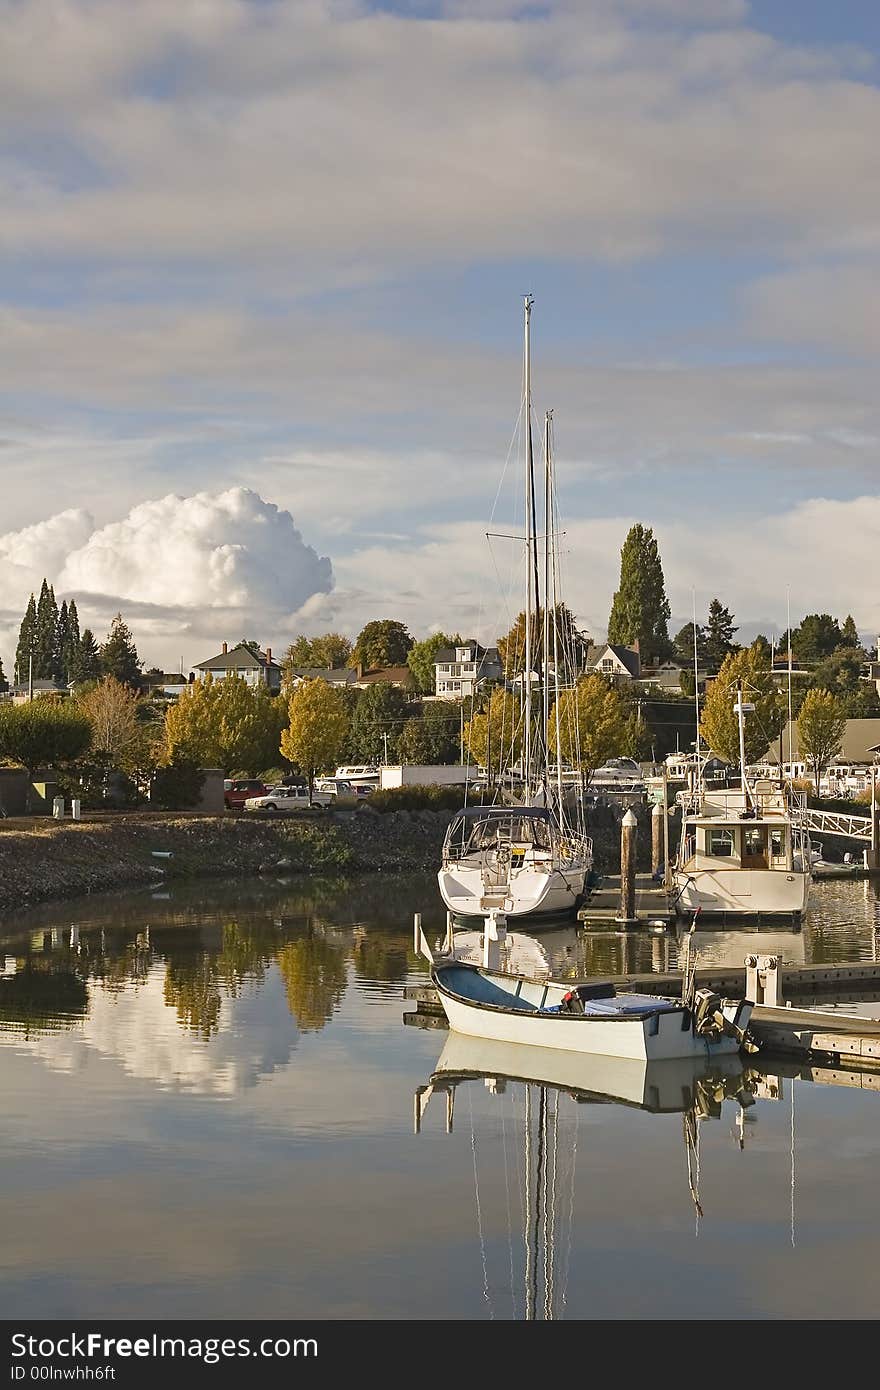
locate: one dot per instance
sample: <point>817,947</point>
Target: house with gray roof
<point>616,662</point>
<point>246,660</point>
<point>459,671</point>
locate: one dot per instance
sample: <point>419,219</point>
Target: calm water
<point>209,1105</point>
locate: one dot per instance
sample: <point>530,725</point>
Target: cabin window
<point>777,843</point>
<point>719,843</point>
<point>755,846</point>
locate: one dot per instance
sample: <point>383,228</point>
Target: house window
<point>445,669</point>
<point>607,665</point>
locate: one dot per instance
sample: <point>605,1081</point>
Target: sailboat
<point>531,859</point>
<point>743,851</point>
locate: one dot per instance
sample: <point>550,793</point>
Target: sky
<point>261,276</point>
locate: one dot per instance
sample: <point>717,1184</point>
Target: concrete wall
<point>211,799</point>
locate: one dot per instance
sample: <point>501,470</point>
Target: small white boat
<point>589,1017</point>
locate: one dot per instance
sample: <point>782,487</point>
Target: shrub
<point>177,786</point>
<point>430,798</point>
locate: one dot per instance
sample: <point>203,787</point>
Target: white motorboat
<point>590,1018</point>
<point>744,851</point>
<point>534,859</point>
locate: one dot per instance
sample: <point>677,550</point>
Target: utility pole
<point>31,674</point>
<point>385,743</point>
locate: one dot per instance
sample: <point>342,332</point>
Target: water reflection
<point>523,1124</point>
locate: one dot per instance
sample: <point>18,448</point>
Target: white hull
<point>615,1038</point>
<point>752,892</point>
<point>529,891</point>
<point>651,1036</point>
<point>661,1086</point>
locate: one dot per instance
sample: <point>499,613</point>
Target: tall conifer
<point>640,611</point>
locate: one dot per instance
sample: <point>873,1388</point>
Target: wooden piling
<point>628,832</point>
<point>656,838</point>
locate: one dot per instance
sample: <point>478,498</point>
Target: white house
<point>615,661</point>
<point>458,671</point>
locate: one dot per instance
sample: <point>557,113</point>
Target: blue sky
<point>281,247</point>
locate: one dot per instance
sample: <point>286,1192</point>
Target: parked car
<point>289,798</point>
<point>236,793</point>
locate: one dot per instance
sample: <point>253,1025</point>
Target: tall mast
<point>528,301</point>
<point>788,620</point>
<point>696,692</point>
<point>545,722</point>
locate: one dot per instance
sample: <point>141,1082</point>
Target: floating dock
<point>653,905</point>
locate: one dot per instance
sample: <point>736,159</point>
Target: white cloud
<point>203,566</point>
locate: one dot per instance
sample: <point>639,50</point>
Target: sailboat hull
<point>529,893</point>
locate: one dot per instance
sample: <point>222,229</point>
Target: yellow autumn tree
<point>593,725</point>
<point>494,737</point>
<point>225,723</point>
<point>317,728</point>
<point>719,725</point>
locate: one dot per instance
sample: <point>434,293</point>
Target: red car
<point>235,794</point>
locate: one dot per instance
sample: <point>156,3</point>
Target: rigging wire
<point>486,1294</point>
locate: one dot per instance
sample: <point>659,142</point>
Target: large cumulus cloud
<point>207,566</point>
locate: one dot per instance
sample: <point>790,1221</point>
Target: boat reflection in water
<point>537,1082</point>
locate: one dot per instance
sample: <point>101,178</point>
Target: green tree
<point>684,644</point>
<point>43,733</point>
<point>422,658</point>
<point>841,675</point>
<point>26,638</point>
<point>72,642</point>
<point>849,633</point>
<point>119,656</point>
<point>762,646</point>
<point>45,634</point>
<point>494,736</point>
<point>640,611</point>
<point>60,645</point>
<point>84,663</point>
<point>817,637</point>
<point>328,652</point>
<point>4,683</point>
<point>719,725</point>
<point>225,723</point>
<point>570,644</point>
<point>719,634</point>
<point>382,709</point>
<point>318,724</point>
<point>821,726</point>
<point>435,737</point>
<point>177,785</point>
<point>593,725</point>
<point>383,642</point>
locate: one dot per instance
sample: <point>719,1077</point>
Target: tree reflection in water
<point>315,976</point>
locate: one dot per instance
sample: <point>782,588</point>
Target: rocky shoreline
<point>42,860</point>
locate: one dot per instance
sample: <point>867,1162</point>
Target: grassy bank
<point>42,860</point>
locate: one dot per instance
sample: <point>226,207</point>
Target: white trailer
<point>426,775</point>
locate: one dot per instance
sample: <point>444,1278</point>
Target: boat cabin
<point>478,830</point>
<point>742,844</point>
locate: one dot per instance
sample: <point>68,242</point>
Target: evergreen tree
<point>71,649</point>
<point>684,644</point>
<point>85,662</point>
<point>640,611</point>
<point>4,683</point>
<point>119,656</point>
<point>61,642</point>
<point>719,634</point>
<point>849,632</point>
<point>26,634</point>
<point>44,634</point>
<point>817,637</point>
